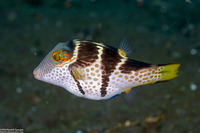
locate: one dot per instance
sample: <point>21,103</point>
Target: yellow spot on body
<point>88,77</point>
<point>143,71</point>
<point>145,78</point>
<point>91,83</point>
<point>129,80</point>
<point>97,71</point>
<point>136,74</point>
<point>116,73</point>
<point>93,74</point>
<point>140,76</point>
<point>87,70</point>
<point>132,77</point>
<point>98,75</point>
<point>113,78</point>
<point>120,76</point>
<point>126,77</point>
<point>136,79</point>
<point>96,65</point>
<point>95,79</point>
<point>98,83</point>
<point>92,69</point>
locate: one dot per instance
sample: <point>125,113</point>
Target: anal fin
<point>128,96</point>
<point>126,91</point>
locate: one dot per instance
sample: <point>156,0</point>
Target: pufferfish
<point>97,71</point>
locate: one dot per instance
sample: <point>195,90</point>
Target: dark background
<point>160,31</point>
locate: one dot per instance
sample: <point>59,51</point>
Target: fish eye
<point>57,55</point>
<point>62,55</point>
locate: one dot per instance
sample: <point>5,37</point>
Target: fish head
<point>54,68</point>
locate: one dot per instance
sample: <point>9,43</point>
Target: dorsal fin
<point>125,47</point>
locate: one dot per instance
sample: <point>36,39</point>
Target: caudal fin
<point>168,71</point>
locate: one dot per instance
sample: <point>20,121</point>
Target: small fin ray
<point>129,96</point>
<point>124,46</point>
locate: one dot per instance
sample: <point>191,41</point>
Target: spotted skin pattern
<point>97,71</point>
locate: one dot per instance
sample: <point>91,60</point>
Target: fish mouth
<point>35,73</point>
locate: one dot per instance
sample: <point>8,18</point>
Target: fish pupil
<point>57,55</point>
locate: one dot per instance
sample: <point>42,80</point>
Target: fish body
<point>96,71</point>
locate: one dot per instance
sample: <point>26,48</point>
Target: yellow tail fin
<point>168,71</point>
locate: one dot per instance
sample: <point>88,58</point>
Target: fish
<point>96,71</point>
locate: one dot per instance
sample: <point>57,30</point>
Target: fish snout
<point>36,73</point>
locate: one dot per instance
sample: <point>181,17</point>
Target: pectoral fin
<point>77,73</point>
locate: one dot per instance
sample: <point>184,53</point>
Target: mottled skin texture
<point>95,71</point>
